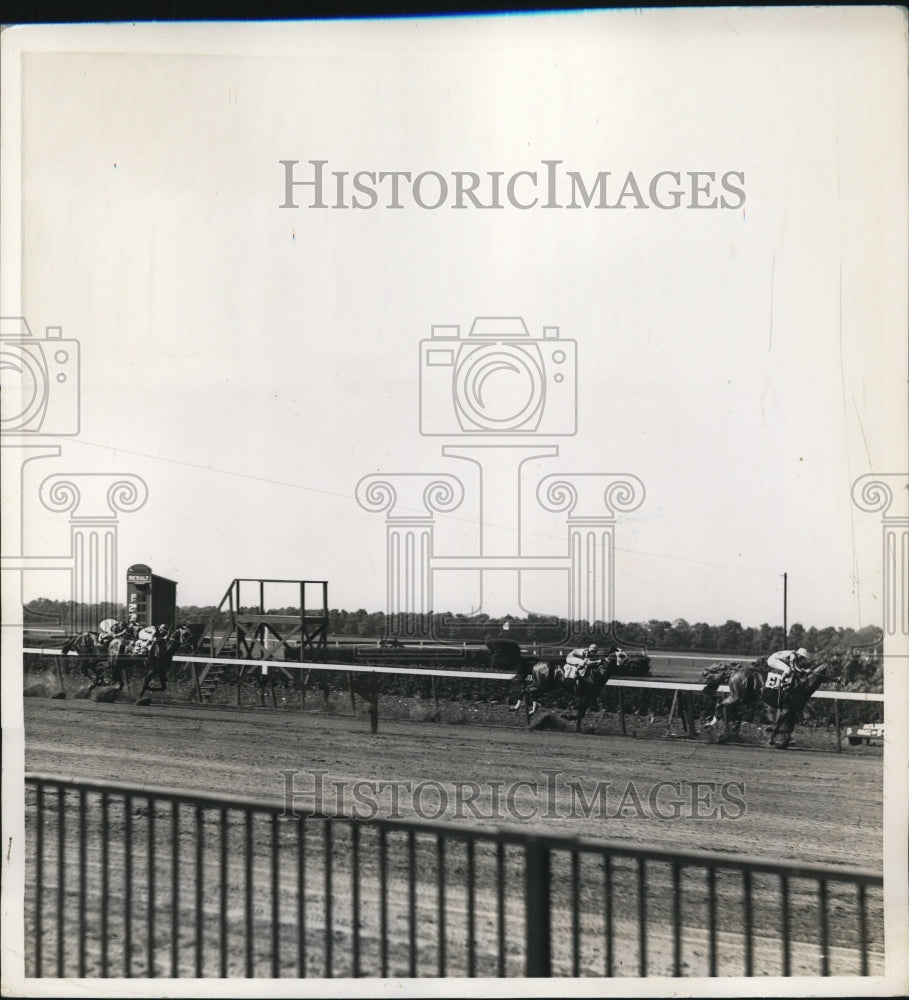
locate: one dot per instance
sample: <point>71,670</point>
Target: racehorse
<point>507,657</point>
<point>756,684</point>
<point>92,649</point>
<point>540,677</point>
<point>92,655</point>
<point>156,652</point>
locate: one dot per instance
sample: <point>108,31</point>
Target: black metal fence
<point>137,882</point>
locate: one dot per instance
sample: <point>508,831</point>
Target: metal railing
<point>135,881</point>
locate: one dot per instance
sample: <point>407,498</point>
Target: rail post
<point>373,703</point>
<point>672,708</point>
<point>689,705</point>
<point>435,695</point>
<point>836,720</point>
<point>622,711</point>
<point>538,943</point>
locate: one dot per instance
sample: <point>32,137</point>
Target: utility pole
<point>785,621</point>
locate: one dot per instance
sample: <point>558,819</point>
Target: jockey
<point>621,656</point>
<point>147,635</point>
<point>788,662</point>
<point>578,660</point>
<point>109,629</point>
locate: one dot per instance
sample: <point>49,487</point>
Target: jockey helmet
<point>802,653</point>
<point>593,648</point>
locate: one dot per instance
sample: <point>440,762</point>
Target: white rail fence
<point>368,686</point>
<point>489,675</point>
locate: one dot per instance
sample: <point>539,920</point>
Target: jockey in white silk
<point>787,661</point>
<point>110,628</point>
<point>147,636</point>
<point>578,660</point>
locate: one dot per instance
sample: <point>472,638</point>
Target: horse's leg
<point>531,698</point>
<point>777,722</point>
<point>717,705</point>
<point>731,709</point>
<point>148,684</point>
<point>784,724</point>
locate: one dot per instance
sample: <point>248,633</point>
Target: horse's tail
<point>718,673</point>
<point>83,643</point>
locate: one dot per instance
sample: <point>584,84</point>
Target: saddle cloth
<point>776,679</point>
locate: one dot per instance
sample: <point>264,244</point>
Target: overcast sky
<point>252,363</point>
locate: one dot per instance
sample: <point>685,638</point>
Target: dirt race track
<point>804,805</point>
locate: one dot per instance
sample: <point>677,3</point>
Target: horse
<point>540,677</point>
<point>760,684</point>
<point>160,655</point>
<point>92,655</point>
<point>507,657</point>
<point>157,651</point>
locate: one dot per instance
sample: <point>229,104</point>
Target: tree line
<point>679,635</point>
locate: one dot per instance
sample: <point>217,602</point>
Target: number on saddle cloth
<point>573,663</point>
<point>774,679</point>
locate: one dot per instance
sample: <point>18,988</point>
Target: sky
<point>252,362</point>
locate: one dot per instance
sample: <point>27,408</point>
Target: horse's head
<point>824,673</point>
<point>183,635</point>
<point>82,644</point>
